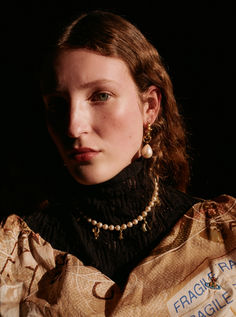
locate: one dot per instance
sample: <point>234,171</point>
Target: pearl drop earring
<point>147,150</point>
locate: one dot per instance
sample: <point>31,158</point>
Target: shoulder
<point>204,225</point>
<point>215,218</point>
<point>12,229</point>
<point>223,205</point>
<point>12,225</point>
<point>44,218</point>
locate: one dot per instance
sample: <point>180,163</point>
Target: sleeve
<point>24,258</point>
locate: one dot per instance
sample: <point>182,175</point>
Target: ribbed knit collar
<point>115,201</point>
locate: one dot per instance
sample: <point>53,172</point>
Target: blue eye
<point>101,96</point>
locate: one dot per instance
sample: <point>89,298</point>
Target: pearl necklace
<point>97,226</point>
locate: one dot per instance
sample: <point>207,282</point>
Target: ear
<point>151,104</point>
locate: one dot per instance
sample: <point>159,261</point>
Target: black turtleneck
<point>116,201</point>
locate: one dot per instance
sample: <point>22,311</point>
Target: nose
<point>78,119</point>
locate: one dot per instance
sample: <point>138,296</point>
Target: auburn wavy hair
<point>111,35</point>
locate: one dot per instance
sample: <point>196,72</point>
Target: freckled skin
<point>113,126</point>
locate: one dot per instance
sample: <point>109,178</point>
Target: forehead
<point>81,66</point>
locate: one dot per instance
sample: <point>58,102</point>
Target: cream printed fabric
<point>192,272</point>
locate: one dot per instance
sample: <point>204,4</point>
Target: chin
<point>92,175</point>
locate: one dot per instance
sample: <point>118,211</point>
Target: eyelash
<point>100,93</point>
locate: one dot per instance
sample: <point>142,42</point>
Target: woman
<point>120,237</point>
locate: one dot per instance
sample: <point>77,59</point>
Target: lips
<point>83,154</point>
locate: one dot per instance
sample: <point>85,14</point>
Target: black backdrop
<point>194,38</point>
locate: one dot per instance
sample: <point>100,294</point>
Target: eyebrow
<point>56,89</point>
<point>97,82</point>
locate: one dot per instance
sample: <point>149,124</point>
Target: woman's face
<point>95,115</point>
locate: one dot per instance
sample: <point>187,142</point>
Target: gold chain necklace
<point>98,226</point>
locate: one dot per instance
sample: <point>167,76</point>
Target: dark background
<point>194,38</point>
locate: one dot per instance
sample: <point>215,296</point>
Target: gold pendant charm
<point>145,226</point>
<point>121,235</point>
<point>96,232</point>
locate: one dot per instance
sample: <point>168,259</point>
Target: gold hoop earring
<point>147,150</point>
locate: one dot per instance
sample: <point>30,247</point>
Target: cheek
<point>123,128</point>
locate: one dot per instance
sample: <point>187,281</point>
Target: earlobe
<point>152,103</point>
